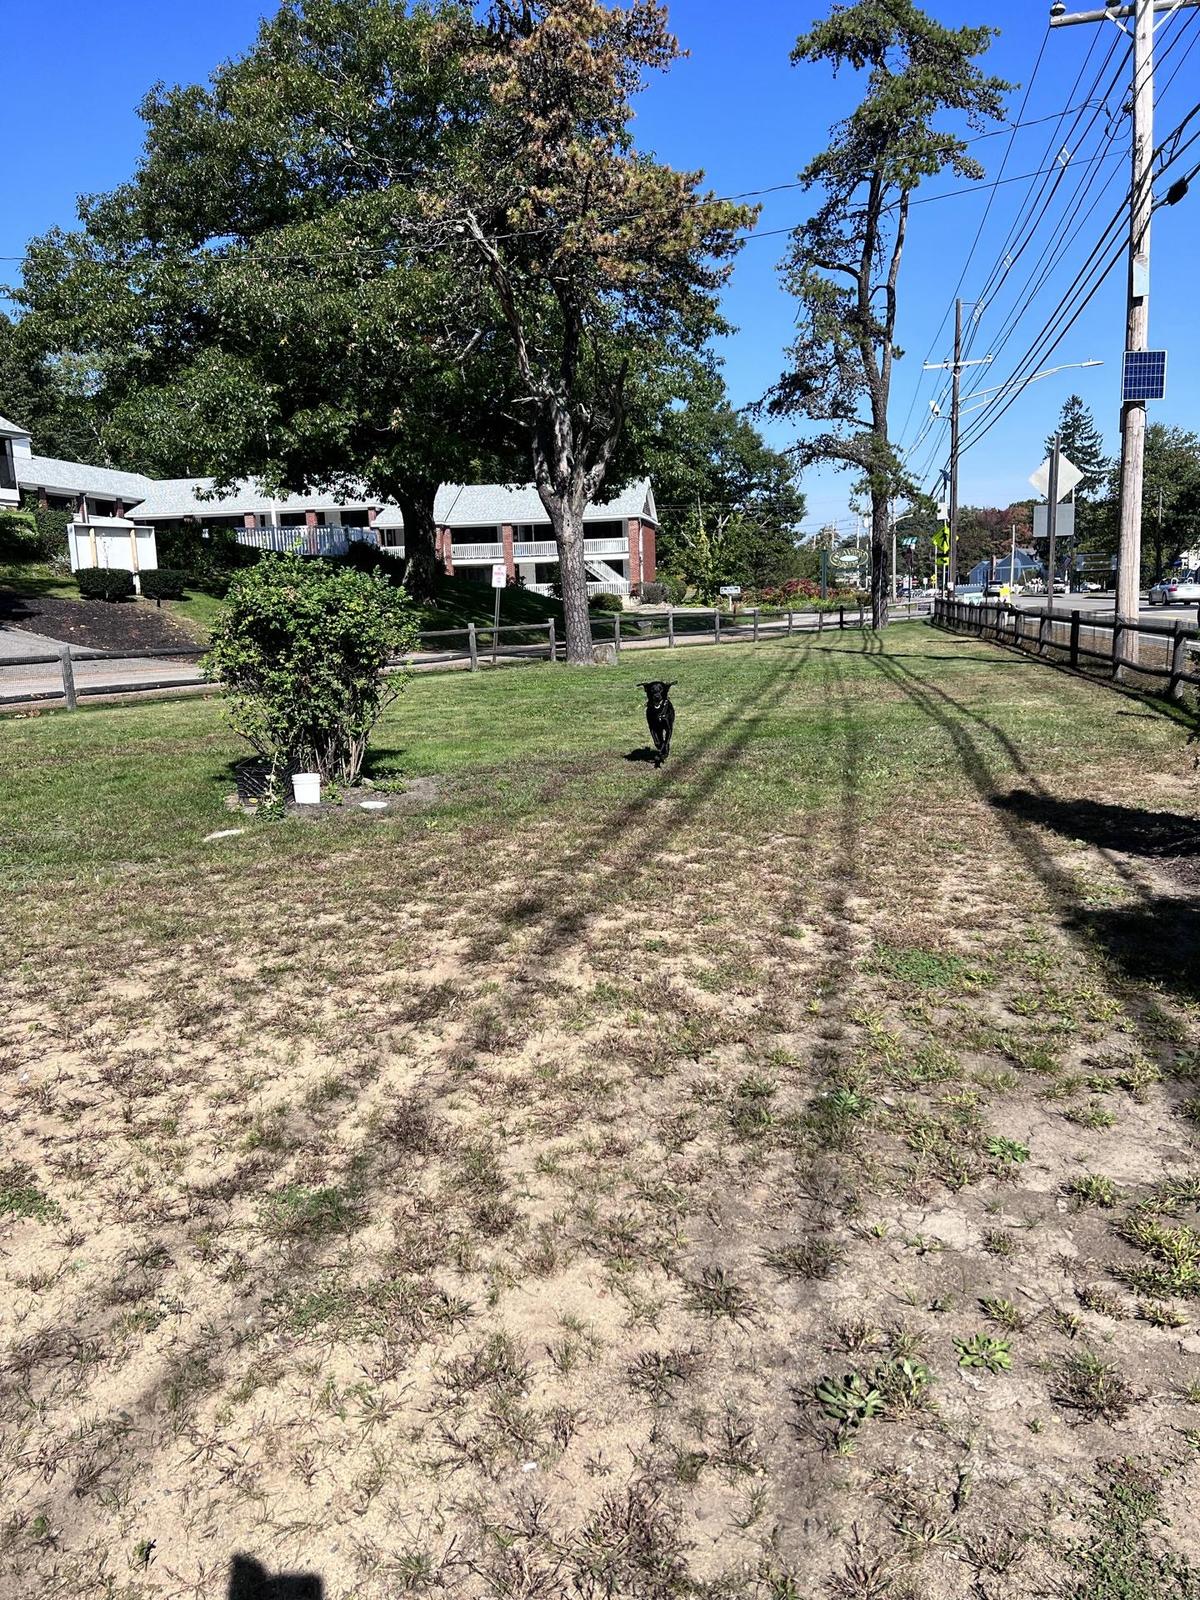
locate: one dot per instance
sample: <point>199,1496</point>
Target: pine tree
<point>1081,442</point>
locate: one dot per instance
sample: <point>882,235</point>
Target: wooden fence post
<point>68,678</point>
<point>1041,645</point>
<point>841,616</point>
<point>820,621</point>
<point>553,641</point>
<point>860,614</point>
<point>716,626</point>
<point>473,646</point>
<point>617,633</point>
<point>789,619</point>
<point>1118,626</point>
<point>756,625</point>
<point>671,627</point>
<point>1075,641</point>
<point>1179,646</point>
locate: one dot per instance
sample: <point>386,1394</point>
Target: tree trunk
<point>567,521</point>
<point>416,499</point>
<point>880,560</point>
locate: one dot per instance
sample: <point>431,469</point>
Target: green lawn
<point>771,1176</point>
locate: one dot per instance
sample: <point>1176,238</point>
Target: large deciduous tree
<point>262,298</point>
<point>599,259</point>
<point>844,262</point>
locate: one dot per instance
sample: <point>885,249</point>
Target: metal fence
<point>1160,655</point>
<point>73,674</point>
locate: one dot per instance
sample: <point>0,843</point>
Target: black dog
<point>660,717</point>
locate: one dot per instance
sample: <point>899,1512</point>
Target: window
<point>604,530</point>
<point>8,472</point>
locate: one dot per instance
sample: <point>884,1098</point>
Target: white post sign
<point>499,575</point>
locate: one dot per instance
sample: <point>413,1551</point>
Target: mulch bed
<point>131,625</point>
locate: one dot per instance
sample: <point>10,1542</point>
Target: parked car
<point>1181,590</point>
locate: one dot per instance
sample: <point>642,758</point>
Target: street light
<point>1000,387</point>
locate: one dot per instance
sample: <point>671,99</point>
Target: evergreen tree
<point>1081,442</point>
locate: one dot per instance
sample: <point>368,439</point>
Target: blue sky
<point>740,111</point>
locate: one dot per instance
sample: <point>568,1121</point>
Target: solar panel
<point>1145,375</point>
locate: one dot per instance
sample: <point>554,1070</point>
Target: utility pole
<point>956,367</point>
<point>1051,525</point>
<point>1137,317</point>
<point>954,399</point>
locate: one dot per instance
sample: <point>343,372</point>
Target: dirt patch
<point>418,794</point>
<point>131,625</point>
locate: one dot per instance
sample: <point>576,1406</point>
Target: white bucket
<point>306,786</point>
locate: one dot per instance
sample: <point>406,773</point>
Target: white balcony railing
<point>477,552</point>
<point>547,589</point>
<point>547,550</point>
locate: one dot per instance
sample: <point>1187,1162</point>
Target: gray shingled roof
<point>456,506</point>
<point>479,504</point>
<point>180,497</point>
<point>12,430</point>
<point>72,477</point>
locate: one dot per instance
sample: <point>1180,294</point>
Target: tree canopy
<point>261,298</point>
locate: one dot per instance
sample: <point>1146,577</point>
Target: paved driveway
<point>15,642</point>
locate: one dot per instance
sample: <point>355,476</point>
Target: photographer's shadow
<point>250,1580</point>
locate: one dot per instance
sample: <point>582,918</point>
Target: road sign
<point>910,543</point>
<point>1069,476</point>
<point>733,590</point>
<point>1064,522</point>
<point>499,575</point>
<point>1144,376</point>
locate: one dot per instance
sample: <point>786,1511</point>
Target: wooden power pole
<point>1137,318</point>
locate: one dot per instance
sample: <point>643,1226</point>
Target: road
<point>1100,606</point>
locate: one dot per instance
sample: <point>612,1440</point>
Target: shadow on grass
<point>1156,943</point>
<point>1161,834</point>
<point>1150,944</point>
<point>250,1580</point>
<point>645,753</point>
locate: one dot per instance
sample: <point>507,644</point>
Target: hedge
<point>164,583</point>
<point>105,583</point>
<point>606,602</point>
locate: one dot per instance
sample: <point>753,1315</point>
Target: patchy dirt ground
<point>96,624</point>
<point>661,1200</point>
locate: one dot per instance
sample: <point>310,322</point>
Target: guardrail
<point>474,644</point>
<point>1124,650</point>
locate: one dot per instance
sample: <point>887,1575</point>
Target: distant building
<point>1027,566</point>
<point>478,525</point>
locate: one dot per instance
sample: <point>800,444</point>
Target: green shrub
<point>19,539</point>
<point>675,586</point>
<point>653,594</point>
<point>209,558</point>
<point>105,583</point>
<point>605,602</point>
<point>164,583</point>
<point>51,529</point>
<point>300,646</point>
<point>364,557</point>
